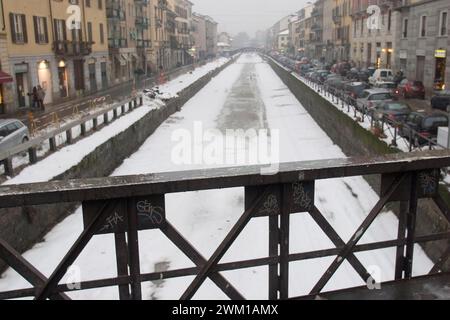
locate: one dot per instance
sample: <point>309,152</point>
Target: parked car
<point>341,68</point>
<point>411,89</point>
<point>393,111</point>
<point>355,89</point>
<point>441,100</point>
<point>381,75</point>
<point>425,124</point>
<point>12,133</point>
<point>371,98</point>
<point>386,85</point>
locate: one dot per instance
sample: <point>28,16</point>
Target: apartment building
<point>199,36</point>
<point>374,33</point>
<point>59,45</point>
<point>204,36</point>
<point>340,15</point>
<point>6,86</point>
<point>129,38</point>
<point>306,36</point>
<point>423,42</point>
<point>182,41</point>
<point>317,48</point>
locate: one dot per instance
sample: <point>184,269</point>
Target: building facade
<point>6,81</point>
<point>374,33</point>
<point>423,42</point>
<point>182,41</point>
<point>61,47</point>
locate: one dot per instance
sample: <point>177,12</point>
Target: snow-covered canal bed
<point>247,94</point>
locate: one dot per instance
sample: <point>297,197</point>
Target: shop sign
<point>440,53</point>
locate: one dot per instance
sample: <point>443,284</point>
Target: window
<point>60,30</point>
<point>389,20</point>
<point>443,23</point>
<point>18,28</point>
<point>100,4</point>
<point>88,3</point>
<point>89,30</point>
<point>102,35</point>
<point>423,26</point>
<point>40,30</point>
<point>405,28</point>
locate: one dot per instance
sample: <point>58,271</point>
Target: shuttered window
<point>40,30</point>
<point>18,28</point>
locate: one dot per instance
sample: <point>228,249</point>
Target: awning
<point>5,78</point>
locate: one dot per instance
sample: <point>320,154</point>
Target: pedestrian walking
<point>34,98</point>
<point>41,97</point>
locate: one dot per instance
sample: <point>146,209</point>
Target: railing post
<point>105,118</point>
<point>32,154</point>
<point>69,139</point>
<point>400,256</point>
<point>130,106</point>
<point>83,129</point>
<point>122,263</point>
<point>52,143</point>
<point>9,170</point>
<point>141,101</point>
<point>274,241</point>
<point>411,226</point>
<point>286,196</point>
<point>94,123</point>
<point>115,116</point>
<point>133,252</point>
<point>122,108</point>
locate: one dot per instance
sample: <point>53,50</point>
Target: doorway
<point>62,81</point>
<point>45,80</point>
<point>439,74</point>
<point>420,68</point>
<point>92,77</point>
<point>22,90</point>
<point>104,75</point>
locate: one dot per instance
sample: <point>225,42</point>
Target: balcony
<point>142,22</point>
<point>72,48</point>
<point>115,14</point>
<point>337,18</point>
<point>142,2</point>
<point>316,27</point>
<point>117,43</point>
<point>143,44</point>
<point>162,4</point>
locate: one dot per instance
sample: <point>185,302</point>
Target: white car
<point>381,75</point>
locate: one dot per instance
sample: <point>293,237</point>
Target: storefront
<point>45,80</point>
<point>440,56</point>
<point>63,82</point>
<point>22,84</point>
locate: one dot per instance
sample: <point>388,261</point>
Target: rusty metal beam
<point>51,284</point>
<point>348,248</point>
<point>224,246</point>
<point>25,269</point>
<point>338,242</point>
<point>172,182</point>
<point>200,261</point>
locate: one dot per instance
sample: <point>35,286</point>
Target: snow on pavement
<point>205,217</point>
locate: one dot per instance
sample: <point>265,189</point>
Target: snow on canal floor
<point>205,217</point>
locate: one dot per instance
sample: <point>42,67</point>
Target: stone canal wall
<point>23,227</point>
<point>354,140</point>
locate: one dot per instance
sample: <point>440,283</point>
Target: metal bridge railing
<point>123,206</point>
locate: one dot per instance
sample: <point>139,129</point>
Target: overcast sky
<point>250,16</point>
